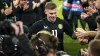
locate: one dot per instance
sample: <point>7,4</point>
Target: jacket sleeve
<point>23,43</point>
<point>68,30</point>
<point>37,26</point>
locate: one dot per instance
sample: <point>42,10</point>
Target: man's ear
<point>45,11</point>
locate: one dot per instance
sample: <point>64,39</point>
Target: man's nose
<point>53,14</point>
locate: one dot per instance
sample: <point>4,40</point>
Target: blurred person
<point>93,48</point>
<point>11,9</point>
<point>66,10</point>
<point>75,13</point>
<point>28,16</point>
<point>53,24</point>
<point>97,4</point>
<point>39,10</point>
<point>6,9</point>
<point>23,41</point>
<point>72,14</point>
<point>44,43</point>
<point>92,12</point>
<point>82,34</point>
<point>89,18</point>
<point>18,41</point>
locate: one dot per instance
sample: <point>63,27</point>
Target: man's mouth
<point>52,17</point>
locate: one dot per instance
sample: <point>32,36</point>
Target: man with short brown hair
<point>53,24</point>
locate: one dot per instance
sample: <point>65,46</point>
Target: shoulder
<point>38,22</point>
<point>59,19</point>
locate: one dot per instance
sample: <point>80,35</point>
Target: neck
<point>51,20</point>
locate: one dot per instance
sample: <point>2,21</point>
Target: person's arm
<point>83,36</point>
<point>68,30</point>
<point>91,33</point>
<point>97,35</point>
<point>37,26</point>
<point>82,33</point>
<point>22,39</point>
<point>34,4</point>
<point>39,3</point>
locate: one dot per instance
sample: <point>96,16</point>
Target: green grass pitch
<point>71,46</point>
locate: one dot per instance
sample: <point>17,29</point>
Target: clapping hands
<point>81,35</point>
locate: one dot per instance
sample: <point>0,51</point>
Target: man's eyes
<point>52,13</point>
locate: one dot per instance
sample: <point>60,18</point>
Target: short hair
<point>50,5</point>
<point>98,19</point>
<point>94,47</point>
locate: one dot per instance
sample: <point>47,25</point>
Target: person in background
<point>93,48</point>
<point>72,10</point>
<point>66,10</point>
<point>44,43</point>
<point>83,35</point>
<point>16,43</point>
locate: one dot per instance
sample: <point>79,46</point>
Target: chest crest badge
<point>60,26</point>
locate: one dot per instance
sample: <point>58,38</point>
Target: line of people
<point>27,11</point>
<point>84,37</point>
<point>84,10</point>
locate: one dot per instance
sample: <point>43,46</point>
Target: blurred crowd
<point>32,28</point>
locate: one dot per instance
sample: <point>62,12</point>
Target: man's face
<point>23,2</point>
<point>51,14</point>
<point>97,4</point>
<point>16,2</point>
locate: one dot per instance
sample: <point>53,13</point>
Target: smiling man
<point>53,24</point>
